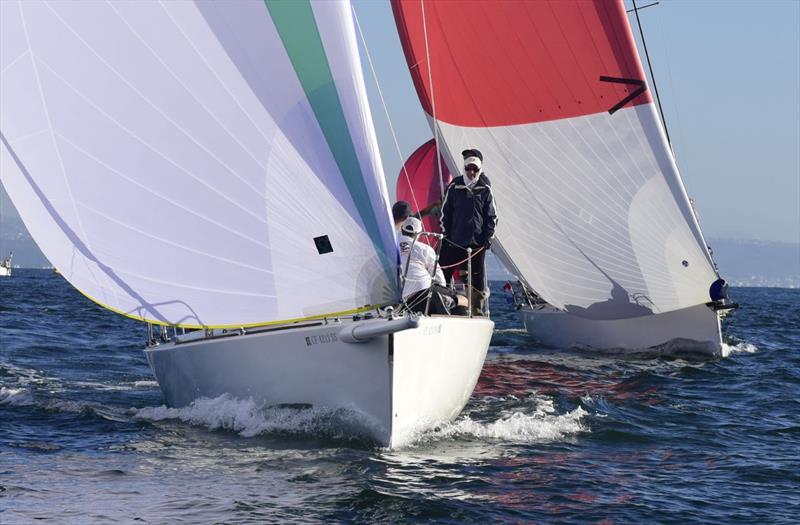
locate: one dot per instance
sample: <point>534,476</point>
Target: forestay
<point>200,164</point>
<point>593,213</point>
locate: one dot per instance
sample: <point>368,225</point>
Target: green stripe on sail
<point>298,30</point>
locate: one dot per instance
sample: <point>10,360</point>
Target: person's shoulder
<point>457,181</point>
<point>426,249</point>
<point>485,180</point>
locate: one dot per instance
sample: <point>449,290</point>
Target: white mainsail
<point>592,210</point>
<point>197,163</point>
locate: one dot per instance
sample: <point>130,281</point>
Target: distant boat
<point>213,166</point>
<point>5,265</point>
<point>594,219</point>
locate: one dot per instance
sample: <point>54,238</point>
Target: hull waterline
<point>690,330</point>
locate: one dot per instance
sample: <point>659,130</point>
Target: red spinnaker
<point>418,182</point>
<point>519,61</point>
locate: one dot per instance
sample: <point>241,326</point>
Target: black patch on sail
<point>630,81</point>
<point>323,244</point>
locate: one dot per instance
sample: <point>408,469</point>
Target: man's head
<point>473,159</point>
<point>411,226</point>
<point>472,153</point>
<point>401,210</point>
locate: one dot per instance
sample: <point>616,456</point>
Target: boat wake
<point>738,348</point>
<point>249,418</point>
<point>519,426</point>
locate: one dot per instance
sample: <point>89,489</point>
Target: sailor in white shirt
<point>423,269</point>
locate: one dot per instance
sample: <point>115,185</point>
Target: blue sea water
<point>548,436</point>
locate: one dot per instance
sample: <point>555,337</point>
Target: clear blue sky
<point>729,77</point>
<point>728,73</point>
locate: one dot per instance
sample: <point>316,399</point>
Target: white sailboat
<point>594,217</point>
<point>5,265</point>
<point>213,166</point>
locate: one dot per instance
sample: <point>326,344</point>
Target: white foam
<point>15,397</point>
<point>543,425</point>
<point>248,418</point>
<point>102,386</point>
<point>738,348</point>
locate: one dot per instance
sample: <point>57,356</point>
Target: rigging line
<point>675,109</point>
<point>385,108</point>
<point>433,100</point>
<point>652,76</point>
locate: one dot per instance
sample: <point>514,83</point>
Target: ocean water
<point>548,436</point>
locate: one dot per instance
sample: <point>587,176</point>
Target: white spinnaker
<point>170,184</point>
<point>593,213</point>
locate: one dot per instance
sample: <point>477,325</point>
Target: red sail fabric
<point>511,62</point>
<point>418,182</point>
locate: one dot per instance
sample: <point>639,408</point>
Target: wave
<point>519,427</point>
<point>23,397</point>
<point>248,418</point>
<point>738,348</point>
<point>15,397</point>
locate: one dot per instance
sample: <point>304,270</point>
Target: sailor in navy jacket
<point>469,219</point>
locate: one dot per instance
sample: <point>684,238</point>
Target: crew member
<point>423,274</point>
<point>469,219</point>
<point>401,210</point>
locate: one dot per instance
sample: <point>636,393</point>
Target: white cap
<point>473,160</point>
<point>411,226</point>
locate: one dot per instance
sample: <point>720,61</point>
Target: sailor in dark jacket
<point>469,219</point>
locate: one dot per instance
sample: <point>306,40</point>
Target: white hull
<point>695,329</point>
<point>5,272</point>
<point>401,383</point>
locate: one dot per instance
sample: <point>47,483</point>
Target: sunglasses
<point>471,168</point>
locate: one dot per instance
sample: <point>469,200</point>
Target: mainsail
<point>197,163</point>
<point>593,213</point>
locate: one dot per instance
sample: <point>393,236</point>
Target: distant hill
<point>741,263</point>
<point>758,263</point>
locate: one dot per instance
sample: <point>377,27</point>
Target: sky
<point>728,73</point>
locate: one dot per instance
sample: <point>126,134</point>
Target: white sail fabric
<point>197,164</point>
<point>593,224</point>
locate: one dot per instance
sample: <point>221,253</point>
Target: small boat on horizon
<point>5,265</point>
